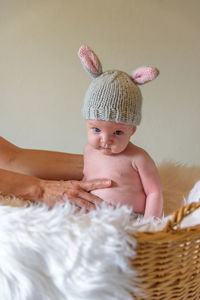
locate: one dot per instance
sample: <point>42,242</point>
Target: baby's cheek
<point>119,148</point>
<point>92,142</point>
<point>95,145</point>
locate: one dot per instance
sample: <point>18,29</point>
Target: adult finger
<point>89,197</point>
<point>80,202</point>
<point>83,195</point>
<point>95,184</point>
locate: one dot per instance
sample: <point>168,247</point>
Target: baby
<point>112,108</point>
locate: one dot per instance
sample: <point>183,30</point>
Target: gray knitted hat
<point>113,95</point>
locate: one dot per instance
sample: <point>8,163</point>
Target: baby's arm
<point>151,184</point>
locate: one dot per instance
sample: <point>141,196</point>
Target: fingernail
<point>108,182</point>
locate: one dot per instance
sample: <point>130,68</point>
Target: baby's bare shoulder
<point>138,152</point>
<point>140,156</point>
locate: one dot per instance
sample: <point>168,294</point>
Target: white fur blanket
<point>63,254</point>
<point>59,254</point>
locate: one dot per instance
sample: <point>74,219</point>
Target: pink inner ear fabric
<point>89,59</point>
<point>145,74</point>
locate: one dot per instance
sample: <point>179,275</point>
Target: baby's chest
<point>107,166</point>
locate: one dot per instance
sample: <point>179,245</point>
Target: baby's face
<point>109,137</point>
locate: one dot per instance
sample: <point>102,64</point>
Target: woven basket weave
<point>168,262</point>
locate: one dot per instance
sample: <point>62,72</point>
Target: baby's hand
<point>157,220</point>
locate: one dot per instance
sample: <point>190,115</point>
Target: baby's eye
<point>118,132</point>
<point>96,129</point>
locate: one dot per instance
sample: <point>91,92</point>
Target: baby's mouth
<point>105,147</point>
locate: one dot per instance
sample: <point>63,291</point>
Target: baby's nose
<point>106,139</point>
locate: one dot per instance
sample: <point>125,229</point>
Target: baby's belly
<point>126,195</point>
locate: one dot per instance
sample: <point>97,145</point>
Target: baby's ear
<point>90,61</point>
<point>144,74</point>
<point>133,130</point>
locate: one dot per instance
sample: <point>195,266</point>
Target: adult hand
<point>77,192</point>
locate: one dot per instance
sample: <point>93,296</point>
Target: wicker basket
<point>168,262</point>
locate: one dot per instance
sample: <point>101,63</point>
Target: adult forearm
<point>20,185</point>
<point>49,164</point>
<point>40,163</point>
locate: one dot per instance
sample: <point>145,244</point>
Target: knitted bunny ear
<point>90,61</point>
<point>145,74</point>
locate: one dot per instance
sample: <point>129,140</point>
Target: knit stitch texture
<point>113,96</point>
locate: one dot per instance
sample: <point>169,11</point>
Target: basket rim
<point>172,229</point>
<point>165,236</point>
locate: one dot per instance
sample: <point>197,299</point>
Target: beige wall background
<point>42,82</point>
